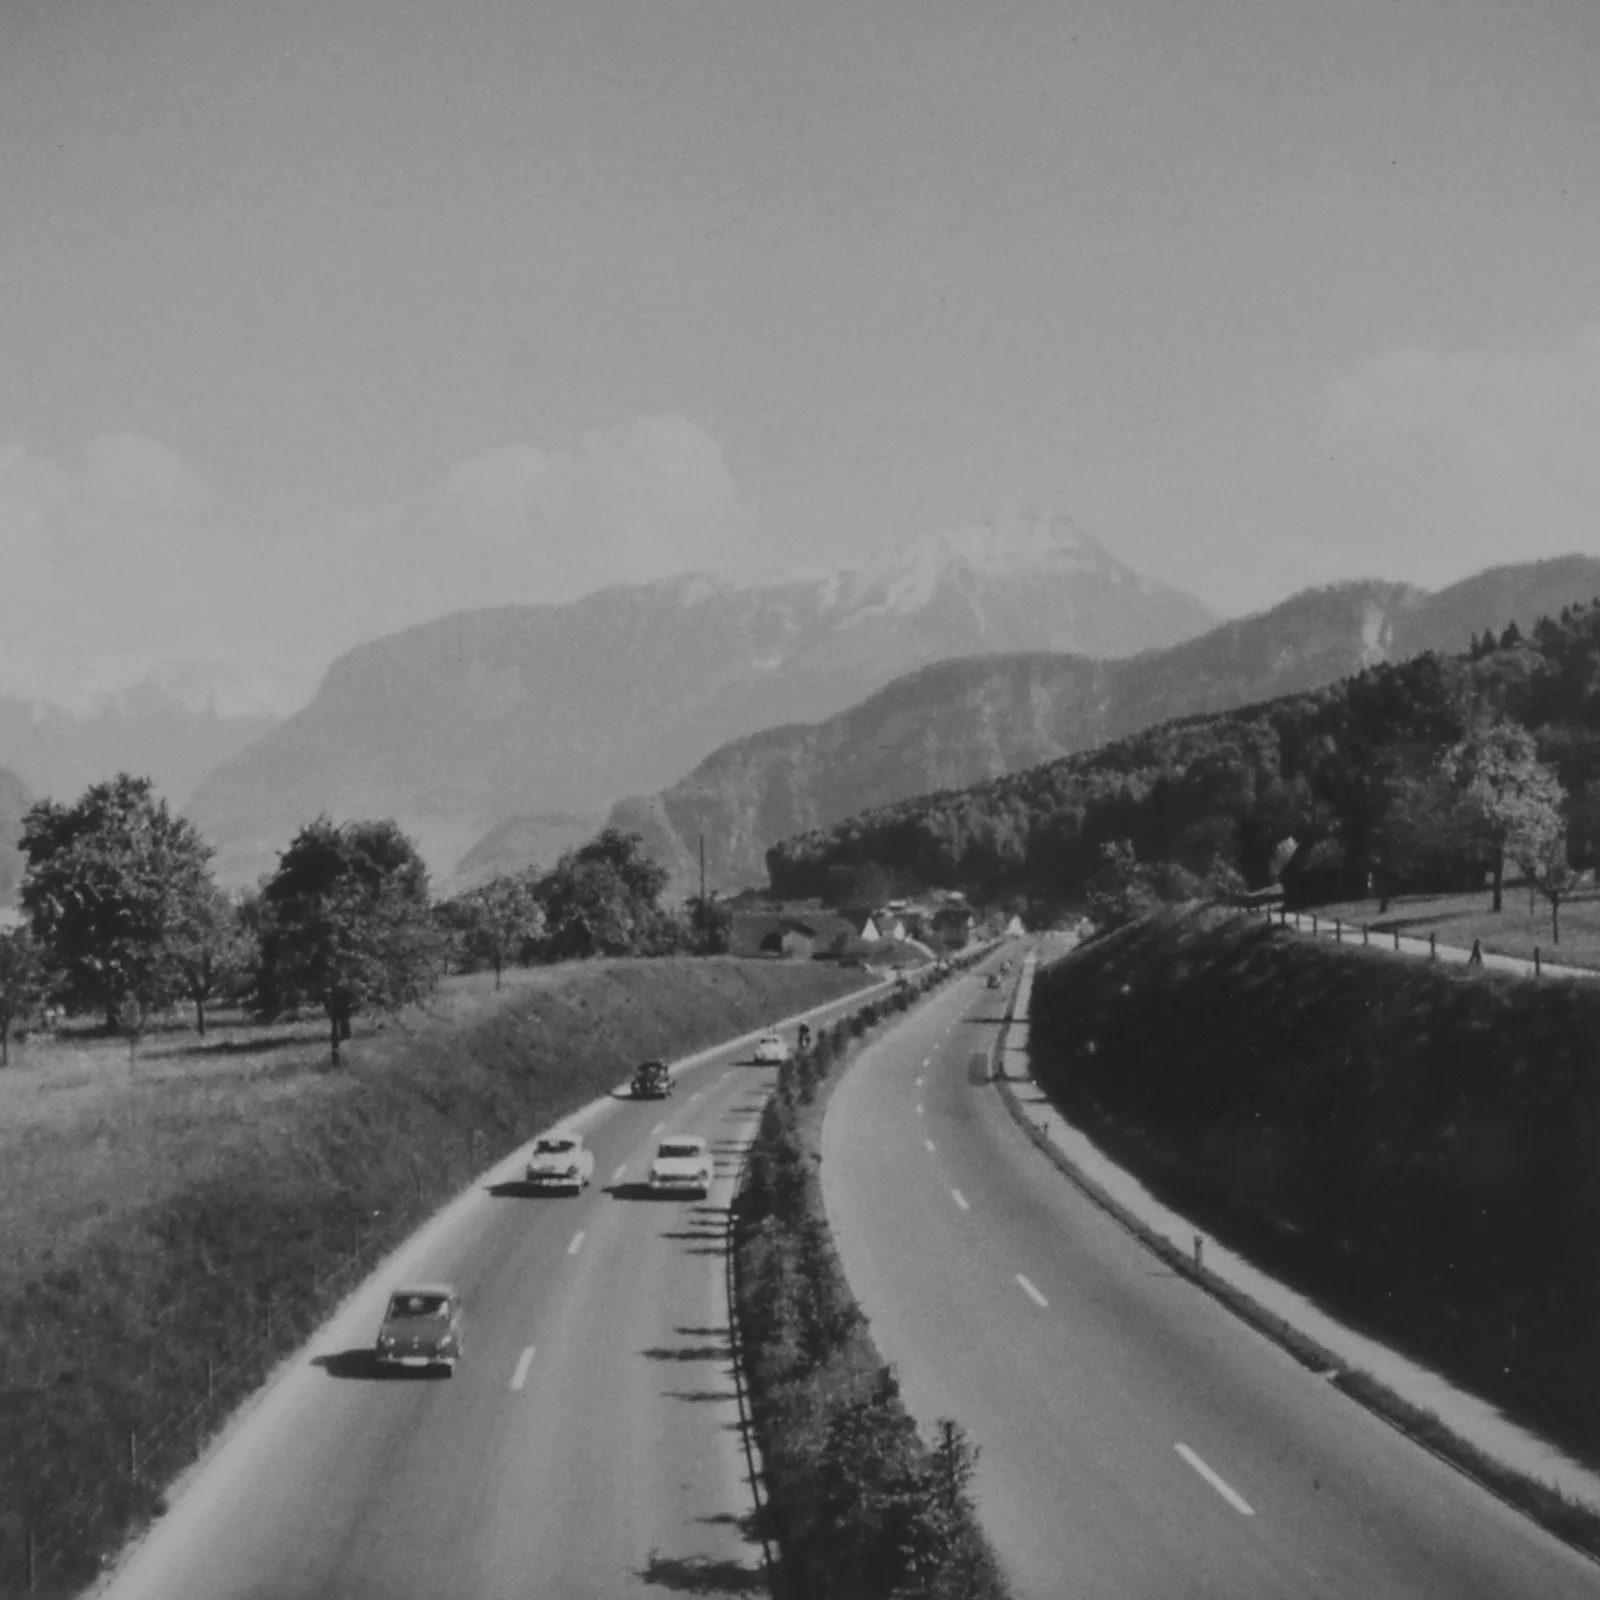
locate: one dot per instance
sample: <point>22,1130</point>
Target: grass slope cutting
<point>1415,1146</point>
<point>174,1227</point>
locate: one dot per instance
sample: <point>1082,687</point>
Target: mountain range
<point>960,723</point>
<point>497,719</point>
<point>173,727</point>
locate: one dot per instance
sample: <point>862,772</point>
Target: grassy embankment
<point>1458,919</point>
<point>190,1219</point>
<point>1416,1146</point>
<point>859,1504</point>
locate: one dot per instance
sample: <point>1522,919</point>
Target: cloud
<point>128,559</point>
<point>1458,458</point>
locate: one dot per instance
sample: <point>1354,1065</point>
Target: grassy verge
<point>1458,919</point>
<point>858,1503</point>
<point>1410,1145</point>
<point>174,1230</point>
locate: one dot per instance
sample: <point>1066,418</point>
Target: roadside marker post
<point>1199,1249</point>
<point>1338,931</point>
<point>1433,947</point>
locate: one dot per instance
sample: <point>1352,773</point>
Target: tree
<point>1542,855</point>
<point>22,983</point>
<point>1506,792</point>
<point>107,882</point>
<point>710,924</point>
<point>603,899</point>
<point>497,920</point>
<point>210,950</point>
<point>346,923</point>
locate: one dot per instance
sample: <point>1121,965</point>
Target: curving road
<point>1136,1440</point>
<point>588,1444</point>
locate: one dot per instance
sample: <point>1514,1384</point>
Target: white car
<point>771,1050</point>
<point>681,1166</point>
<point>559,1161</point>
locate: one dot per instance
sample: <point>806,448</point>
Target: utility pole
<point>705,914</point>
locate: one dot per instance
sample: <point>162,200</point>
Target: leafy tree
<point>604,898</point>
<point>108,881</point>
<point>1506,793</point>
<point>346,923</point>
<point>1542,855</point>
<point>497,920</point>
<point>22,983</point>
<point>210,950</point>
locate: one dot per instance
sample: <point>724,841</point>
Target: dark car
<point>421,1328</point>
<point>652,1081</point>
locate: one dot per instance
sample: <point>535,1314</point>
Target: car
<point>771,1050</point>
<point>651,1081</point>
<point>559,1161</point>
<point>682,1166</point>
<point>422,1327</point>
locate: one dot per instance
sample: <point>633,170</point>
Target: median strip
<point>1225,1489</point>
<point>524,1361</point>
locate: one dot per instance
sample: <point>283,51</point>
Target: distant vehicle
<point>770,1049</point>
<point>651,1081</point>
<point>422,1327</point>
<point>681,1166</point>
<point>559,1161</point>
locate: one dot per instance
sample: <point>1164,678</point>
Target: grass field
<point>182,1222</point>
<point>1458,919</point>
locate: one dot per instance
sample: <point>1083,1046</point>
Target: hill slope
<point>457,725</point>
<point>963,722</point>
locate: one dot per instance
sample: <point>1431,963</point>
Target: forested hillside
<point>14,802</point>
<point>1355,767</point>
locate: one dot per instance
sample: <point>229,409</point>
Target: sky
<point>319,318</point>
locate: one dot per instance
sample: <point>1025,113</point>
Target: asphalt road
<point>588,1444</point>
<point>1136,1440</point>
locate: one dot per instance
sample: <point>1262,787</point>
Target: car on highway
<point>770,1050</point>
<point>422,1327</point>
<point>651,1081</point>
<point>682,1166</point>
<point>560,1161</point>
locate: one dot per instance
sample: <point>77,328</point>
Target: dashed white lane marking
<point>1226,1490</point>
<point>960,1199</point>
<point>919,1108</point>
<point>929,1144</point>
<point>919,1079</point>
<point>1032,1293</point>
<point>695,1096</point>
<point>658,1127</point>
<point>577,1243</point>
<point>524,1361</point>
<point>620,1173</point>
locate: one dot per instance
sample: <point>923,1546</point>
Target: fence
<point>62,1535</point>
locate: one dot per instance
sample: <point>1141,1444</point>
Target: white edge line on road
<point>524,1361</point>
<point>960,1199</point>
<point>929,1144</point>
<point>577,1243</point>
<point>1226,1490</point>
<point>1032,1293</point>
<point>620,1173</point>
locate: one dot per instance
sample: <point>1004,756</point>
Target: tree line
<point>1439,771</point>
<point>124,919</point>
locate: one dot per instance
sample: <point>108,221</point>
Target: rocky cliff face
<point>963,722</point>
<point>456,726</point>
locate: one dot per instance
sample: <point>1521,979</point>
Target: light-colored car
<point>771,1050</point>
<point>560,1161</point>
<point>682,1166</point>
<point>422,1327</point>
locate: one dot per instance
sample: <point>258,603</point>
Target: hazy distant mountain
<point>521,841</point>
<point>962,722</point>
<point>167,728</point>
<point>457,725</point>
<point>14,802</point>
